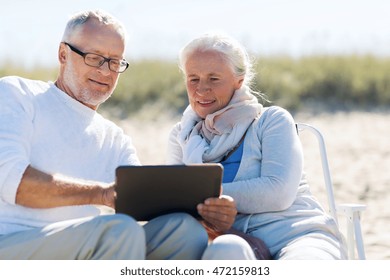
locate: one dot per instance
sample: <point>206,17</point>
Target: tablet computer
<point>145,192</point>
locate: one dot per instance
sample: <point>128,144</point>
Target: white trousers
<point>174,236</point>
<point>229,247</point>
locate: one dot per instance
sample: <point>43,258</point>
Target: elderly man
<point>58,158</point>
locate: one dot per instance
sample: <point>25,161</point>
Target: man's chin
<point>100,101</point>
<point>93,103</point>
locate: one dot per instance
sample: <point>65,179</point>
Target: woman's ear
<point>239,83</point>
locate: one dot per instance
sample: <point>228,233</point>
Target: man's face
<point>90,85</point>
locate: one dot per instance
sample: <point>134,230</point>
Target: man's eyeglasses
<point>96,60</point>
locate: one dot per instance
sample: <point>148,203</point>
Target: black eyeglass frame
<point>121,63</point>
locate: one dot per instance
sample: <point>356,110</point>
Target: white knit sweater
<point>43,127</point>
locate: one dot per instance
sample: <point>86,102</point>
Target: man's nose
<point>104,68</point>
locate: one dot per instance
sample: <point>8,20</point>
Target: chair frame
<point>351,211</point>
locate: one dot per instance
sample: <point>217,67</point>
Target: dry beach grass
<point>359,158</point>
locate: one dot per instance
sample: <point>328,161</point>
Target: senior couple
<point>58,158</point>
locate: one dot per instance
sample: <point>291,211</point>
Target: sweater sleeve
<point>129,153</point>
<point>16,122</point>
<point>280,163</point>
<point>174,151</point>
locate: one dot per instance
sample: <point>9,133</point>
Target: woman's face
<point>210,82</point>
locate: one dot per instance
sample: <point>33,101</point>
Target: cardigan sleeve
<point>272,167</point>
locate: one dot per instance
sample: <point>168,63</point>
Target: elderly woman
<point>259,149</point>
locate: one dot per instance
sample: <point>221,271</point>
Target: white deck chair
<point>352,212</point>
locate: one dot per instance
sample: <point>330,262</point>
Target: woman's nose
<point>203,88</point>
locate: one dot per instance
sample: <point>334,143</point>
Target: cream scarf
<point>209,140</point>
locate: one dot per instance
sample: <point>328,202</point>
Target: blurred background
<point>328,62</point>
<point>332,55</point>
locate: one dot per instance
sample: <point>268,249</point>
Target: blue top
<point>231,164</point>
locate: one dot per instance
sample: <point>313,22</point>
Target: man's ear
<point>62,53</point>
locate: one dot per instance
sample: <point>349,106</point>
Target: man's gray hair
<point>77,20</point>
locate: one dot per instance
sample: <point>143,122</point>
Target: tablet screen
<point>145,192</point>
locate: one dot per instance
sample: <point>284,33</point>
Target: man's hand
<point>109,196</point>
<point>219,212</point>
<point>38,189</point>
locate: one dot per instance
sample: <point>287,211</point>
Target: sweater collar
<point>73,103</point>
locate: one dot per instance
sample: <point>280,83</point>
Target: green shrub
<point>340,82</point>
<point>334,82</point>
<point>147,82</point>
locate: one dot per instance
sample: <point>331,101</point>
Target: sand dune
<point>359,158</point>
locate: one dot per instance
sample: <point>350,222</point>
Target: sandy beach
<point>359,158</point>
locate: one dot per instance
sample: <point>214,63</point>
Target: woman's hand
<point>218,212</point>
